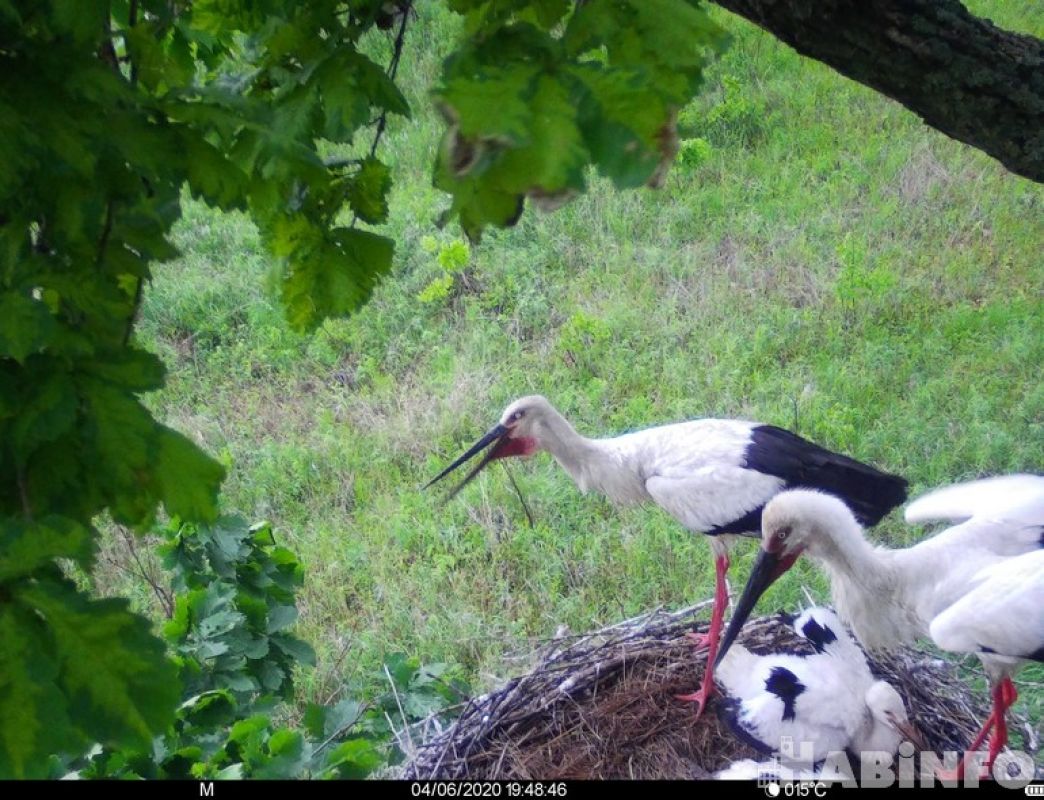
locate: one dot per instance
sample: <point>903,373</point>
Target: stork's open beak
<point>496,436</point>
<point>767,568</point>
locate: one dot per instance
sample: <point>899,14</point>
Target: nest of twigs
<point>602,706</point>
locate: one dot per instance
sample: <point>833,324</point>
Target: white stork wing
<point>987,497</point>
<point>713,497</point>
<point>1003,615</point>
<point>1001,516</point>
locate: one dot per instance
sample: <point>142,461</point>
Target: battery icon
<point>1035,790</point>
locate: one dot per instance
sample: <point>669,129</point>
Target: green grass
<point>819,259</point>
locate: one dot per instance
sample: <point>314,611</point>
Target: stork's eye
<point>782,533</point>
<point>518,415</point>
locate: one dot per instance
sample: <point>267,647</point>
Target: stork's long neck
<point>592,463</point>
<point>865,583</point>
<point>846,554</point>
<point>574,452</point>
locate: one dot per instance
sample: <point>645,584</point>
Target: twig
<point>161,593</point>
<point>393,68</point>
<point>402,713</point>
<point>1032,738</point>
<point>518,491</point>
<point>348,642</point>
<point>808,596</point>
<point>348,725</point>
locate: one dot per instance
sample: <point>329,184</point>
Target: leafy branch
<point>230,631</point>
<point>108,112</point>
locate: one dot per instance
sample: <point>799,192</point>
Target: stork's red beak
<point>767,569</point>
<point>502,447</point>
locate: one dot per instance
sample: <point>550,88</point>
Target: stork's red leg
<point>996,727</point>
<point>721,602</point>
<point>987,729</point>
<point>1004,696</point>
<point>958,773</point>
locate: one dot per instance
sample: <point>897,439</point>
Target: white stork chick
<point>828,699</point>
<point>714,476</point>
<point>976,587</point>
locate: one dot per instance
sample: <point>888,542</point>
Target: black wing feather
<point>868,491</point>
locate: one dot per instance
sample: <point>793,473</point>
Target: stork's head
<point>518,433</point>
<point>891,723</point>
<point>791,523</point>
<point>526,418</point>
<point>802,519</point>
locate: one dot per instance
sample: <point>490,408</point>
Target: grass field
<point>818,259</point>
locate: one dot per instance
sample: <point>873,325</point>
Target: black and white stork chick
<point>827,701</point>
<point>976,587</point>
<point>714,476</point>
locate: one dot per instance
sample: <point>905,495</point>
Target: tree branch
<point>164,595</point>
<point>962,75</point>
<point>393,68</point>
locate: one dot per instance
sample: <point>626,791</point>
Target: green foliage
<point>535,94</point>
<point>108,112</point>
<point>235,603</point>
<point>75,670</point>
<point>235,590</point>
<point>860,284</point>
<point>453,258</point>
<point>584,340</point>
<point>695,153</point>
<point>439,289</point>
<point>734,119</point>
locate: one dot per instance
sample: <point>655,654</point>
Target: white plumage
<point>750,770</point>
<point>1002,619</point>
<point>976,587</point>
<point>828,700</point>
<point>713,476</point>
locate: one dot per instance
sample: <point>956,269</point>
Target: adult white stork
<point>712,475</point>
<point>828,699</point>
<point>977,587</point>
